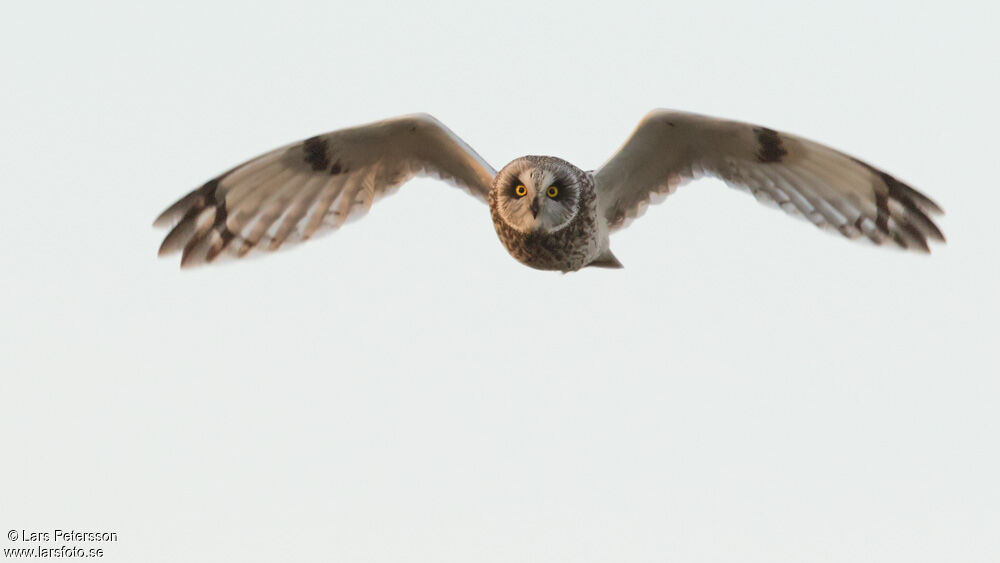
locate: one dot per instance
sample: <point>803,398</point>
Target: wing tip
<point>162,221</point>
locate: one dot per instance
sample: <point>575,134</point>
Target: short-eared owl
<point>548,213</point>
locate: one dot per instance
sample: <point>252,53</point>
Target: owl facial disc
<point>538,194</point>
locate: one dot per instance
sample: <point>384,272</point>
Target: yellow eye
<point>520,190</point>
<point>552,191</point>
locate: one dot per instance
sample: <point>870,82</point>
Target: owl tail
<point>606,260</point>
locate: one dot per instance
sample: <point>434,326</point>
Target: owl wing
<point>827,187</point>
<point>294,192</point>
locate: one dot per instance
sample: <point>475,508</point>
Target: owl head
<point>538,193</point>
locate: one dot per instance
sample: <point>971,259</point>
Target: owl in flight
<point>548,213</point>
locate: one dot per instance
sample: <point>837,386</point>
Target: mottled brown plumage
<point>567,248</point>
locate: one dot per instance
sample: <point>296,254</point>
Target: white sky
<point>746,389</point>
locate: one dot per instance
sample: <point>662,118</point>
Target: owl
<point>548,213</point>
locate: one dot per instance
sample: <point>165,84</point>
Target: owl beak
<point>534,208</point>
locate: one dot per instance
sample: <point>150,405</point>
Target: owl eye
<point>552,191</point>
<point>520,190</point>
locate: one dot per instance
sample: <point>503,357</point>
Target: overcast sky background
<point>748,388</point>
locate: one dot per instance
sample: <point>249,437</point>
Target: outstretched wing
<point>294,192</point>
<point>805,178</point>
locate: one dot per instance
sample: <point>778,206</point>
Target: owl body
<point>548,213</point>
<point>545,213</point>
